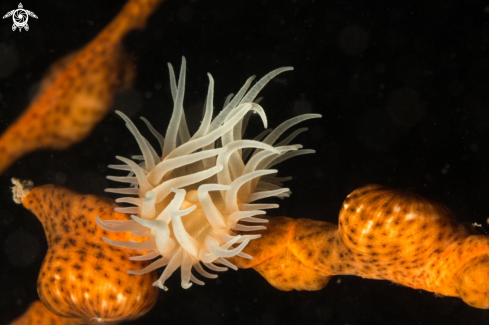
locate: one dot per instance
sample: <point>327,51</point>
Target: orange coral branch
<point>278,255</point>
<point>82,276</point>
<point>74,101</point>
<point>382,234</point>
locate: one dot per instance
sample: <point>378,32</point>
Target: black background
<point>403,89</point>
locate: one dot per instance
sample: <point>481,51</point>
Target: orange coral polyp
<point>193,198</point>
<point>81,276</point>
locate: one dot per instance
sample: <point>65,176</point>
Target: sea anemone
<point>192,199</point>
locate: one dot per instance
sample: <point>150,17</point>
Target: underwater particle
<point>9,60</point>
<point>353,40</point>
<point>21,248</point>
<point>405,107</point>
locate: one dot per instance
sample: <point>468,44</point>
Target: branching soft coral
<point>382,234</point>
<point>77,92</point>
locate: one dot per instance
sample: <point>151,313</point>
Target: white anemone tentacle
<point>189,204</point>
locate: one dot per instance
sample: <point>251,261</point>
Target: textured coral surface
<point>383,234</point>
<point>82,276</point>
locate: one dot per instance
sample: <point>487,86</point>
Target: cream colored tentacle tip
<point>20,189</point>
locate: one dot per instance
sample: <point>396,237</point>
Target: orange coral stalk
<point>82,276</point>
<point>382,234</point>
<point>38,314</point>
<point>278,254</point>
<point>73,102</point>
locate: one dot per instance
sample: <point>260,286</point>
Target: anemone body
<point>192,199</point>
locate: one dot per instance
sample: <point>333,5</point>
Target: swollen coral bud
<point>82,276</point>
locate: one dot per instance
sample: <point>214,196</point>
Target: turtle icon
<point>20,17</point>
